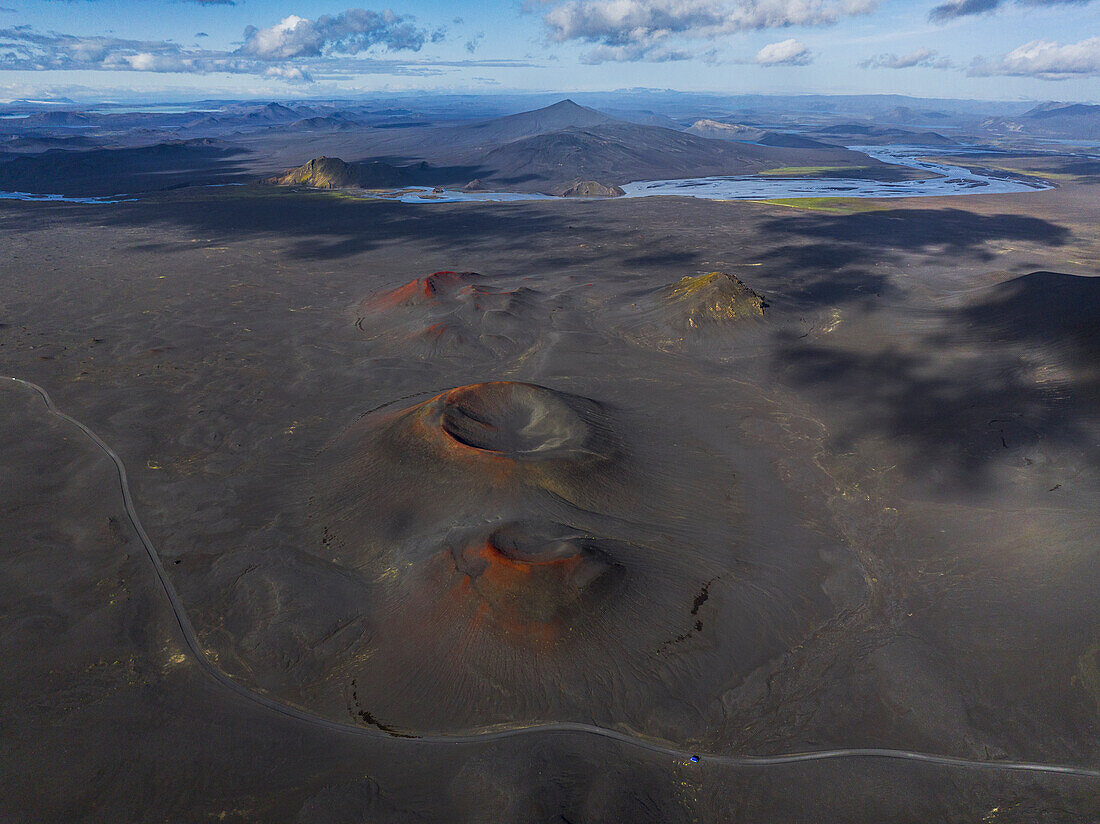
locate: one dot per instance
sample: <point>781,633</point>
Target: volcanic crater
<point>525,553</point>
<point>453,314</point>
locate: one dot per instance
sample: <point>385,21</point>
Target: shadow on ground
<point>1014,371</point>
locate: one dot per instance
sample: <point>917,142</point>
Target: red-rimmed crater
<point>452,313</point>
<point>422,290</point>
<point>500,449</point>
<point>531,576</point>
<point>520,420</point>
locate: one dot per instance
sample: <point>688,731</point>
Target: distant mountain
<point>717,130</point>
<point>555,118</point>
<point>332,122</point>
<point>96,172</point>
<point>1045,111</point>
<point>43,101</point>
<point>1080,121</point>
<point>552,150</point>
<point>65,118</point>
<point>906,115</point>
<point>272,113</point>
<point>618,153</point>
<point>42,143</point>
<point>644,117</point>
<point>847,128</point>
<point>857,134</point>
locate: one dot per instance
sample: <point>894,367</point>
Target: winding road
<point>290,711</point>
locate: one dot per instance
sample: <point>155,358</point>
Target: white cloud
<point>641,29</point>
<point>349,32</point>
<point>633,52</point>
<point>924,58</point>
<point>954,9</point>
<point>288,50</point>
<point>784,53</point>
<point>292,36</point>
<point>1045,60</point>
<point>291,74</point>
<point>474,42</point>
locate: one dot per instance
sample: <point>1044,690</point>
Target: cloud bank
<point>291,50</point>
<point>202,2</point>
<point>350,32</point>
<point>1045,60</point>
<point>921,58</point>
<point>966,8</point>
<point>631,30</point>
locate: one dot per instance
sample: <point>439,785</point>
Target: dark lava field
<point>552,511</point>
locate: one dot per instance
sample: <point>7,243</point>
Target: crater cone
<point>530,576</point>
<point>451,313</point>
<point>422,290</point>
<point>497,449</point>
<point>520,420</point>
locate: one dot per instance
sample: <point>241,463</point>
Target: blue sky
<point>991,49</point>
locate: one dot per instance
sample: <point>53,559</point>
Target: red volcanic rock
<point>528,578</point>
<point>422,290</point>
<point>455,314</point>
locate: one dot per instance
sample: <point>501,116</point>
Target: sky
<point>285,49</point>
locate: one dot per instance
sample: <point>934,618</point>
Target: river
<point>950,181</point>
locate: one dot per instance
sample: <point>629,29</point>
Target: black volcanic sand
<point>510,540</point>
<point>864,518</point>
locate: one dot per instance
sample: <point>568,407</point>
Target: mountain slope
<point>619,153</point>
<point>563,115</point>
<point>96,172</point>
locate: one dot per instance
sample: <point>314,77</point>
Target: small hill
<point>590,188</point>
<point>784,140</point>
<point>717,130</point>
<point>695,309</point>
<point>334,173</point>
<point>1052,307</point>
<point>1058,314</point>
<point>713,299</point>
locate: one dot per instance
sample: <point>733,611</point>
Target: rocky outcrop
<point>590,188</point>
<point>724,131</point>
<point>334,173</point>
